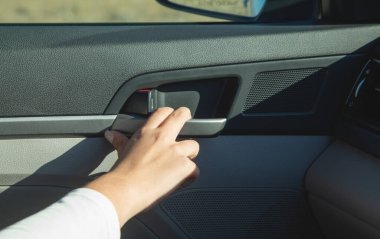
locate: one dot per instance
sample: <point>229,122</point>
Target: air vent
<point>284,92</point>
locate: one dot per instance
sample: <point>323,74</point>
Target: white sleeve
<point>83,213</point>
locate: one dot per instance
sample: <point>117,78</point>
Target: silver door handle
<point>129,124</point>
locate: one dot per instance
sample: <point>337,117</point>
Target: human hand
<point>151,164</point>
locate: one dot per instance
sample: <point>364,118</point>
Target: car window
<point>136,11</point>
<point>92,11</point>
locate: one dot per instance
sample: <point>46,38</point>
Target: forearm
<point>117,190</point>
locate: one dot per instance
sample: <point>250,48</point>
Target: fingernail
<point>109,136</point>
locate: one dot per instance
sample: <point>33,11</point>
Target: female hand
<point>151,164</point>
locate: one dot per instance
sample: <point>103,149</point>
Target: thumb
<point>117,139</point>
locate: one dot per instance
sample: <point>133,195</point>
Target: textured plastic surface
<point>66,70</point>
<point>134,229</point>
<point>324,91</point>
<point>285,92</point>
<point>240,213</point>
<point>279,97</point>
<point>232,168</point>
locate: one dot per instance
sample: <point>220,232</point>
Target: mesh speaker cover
<point>238,214</point>
<point>288,91</point>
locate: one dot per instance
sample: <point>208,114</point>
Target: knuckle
<point>177,150</point>
<point>162,136</point>
<point>143,130</point>
<point>137,136</point>
<point>189,165</point>
<point>164,110</point>
<point>118,141</point>
<point>195,144</point>
<point>184,111</point>
<point>141,133</point>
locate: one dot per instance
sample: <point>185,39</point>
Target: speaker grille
<point>237,214</point>
<point>288,91</point>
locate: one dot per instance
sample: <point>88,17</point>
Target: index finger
<point>173,124</point>
<point>157,117</point>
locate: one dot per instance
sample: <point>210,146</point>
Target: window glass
<point>135,11</point>
<point>92,11</point>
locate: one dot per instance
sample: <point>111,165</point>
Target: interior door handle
<point>129,124</point>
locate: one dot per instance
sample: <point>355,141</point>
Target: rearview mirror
<point>235,10</point>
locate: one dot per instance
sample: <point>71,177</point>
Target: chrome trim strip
<point>194,127</point>
<point>55,125</point>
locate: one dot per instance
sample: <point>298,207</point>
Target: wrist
<point>117,189</point>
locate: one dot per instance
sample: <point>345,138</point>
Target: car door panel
<point>267,99</point>
<point>256,197</point>
<point>77,70</point>
<point>54,166</point>
<point>62,86</point>
<point>355,173</point>
<point>342,183</point>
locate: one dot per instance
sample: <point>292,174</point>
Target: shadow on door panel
<point>250,186</point>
